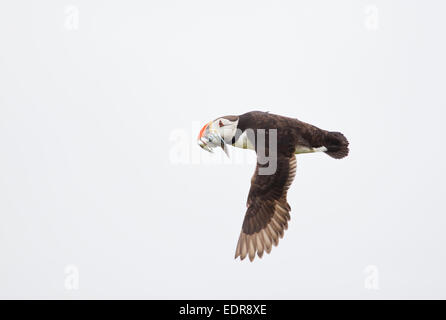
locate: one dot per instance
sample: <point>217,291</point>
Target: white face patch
<point>224,128</point>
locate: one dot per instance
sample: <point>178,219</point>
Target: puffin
<point>276,140</point>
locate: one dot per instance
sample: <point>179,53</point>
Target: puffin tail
<point>336,144</point>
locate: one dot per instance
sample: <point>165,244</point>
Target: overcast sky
<point>105,194</point>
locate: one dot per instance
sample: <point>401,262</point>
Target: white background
<point>93,98</point>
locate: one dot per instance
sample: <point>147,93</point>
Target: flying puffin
<point>268,211</point>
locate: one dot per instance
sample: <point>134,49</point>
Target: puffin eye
<point>220,124</point>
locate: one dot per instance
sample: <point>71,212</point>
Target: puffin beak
<point>208,140</point>
<point>202,139</point>
<point>203,145</point>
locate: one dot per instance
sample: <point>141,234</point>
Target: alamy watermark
<point>71,281</point>
<point>71,21</point>
<point>185,149</point>
<point>371,19</point>
<point>371,281</point>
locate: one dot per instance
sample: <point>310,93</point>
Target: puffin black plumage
<point>268,211</point>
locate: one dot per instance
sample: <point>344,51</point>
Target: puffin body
<point>268,211</point>
<point>293,135</point>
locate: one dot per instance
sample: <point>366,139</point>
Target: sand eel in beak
<point>210,138</point>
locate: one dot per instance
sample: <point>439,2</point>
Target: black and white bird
<point>268,211</point>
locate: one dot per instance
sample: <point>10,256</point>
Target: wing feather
<point>268,211</point>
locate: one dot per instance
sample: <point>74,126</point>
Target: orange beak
<point>200,135</point>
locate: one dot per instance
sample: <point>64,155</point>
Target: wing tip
<point>250,246</point>
<point>266,230</point>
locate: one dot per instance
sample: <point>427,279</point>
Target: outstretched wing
<point>268,212</point>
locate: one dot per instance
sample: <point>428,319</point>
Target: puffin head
<point>218,133</point>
